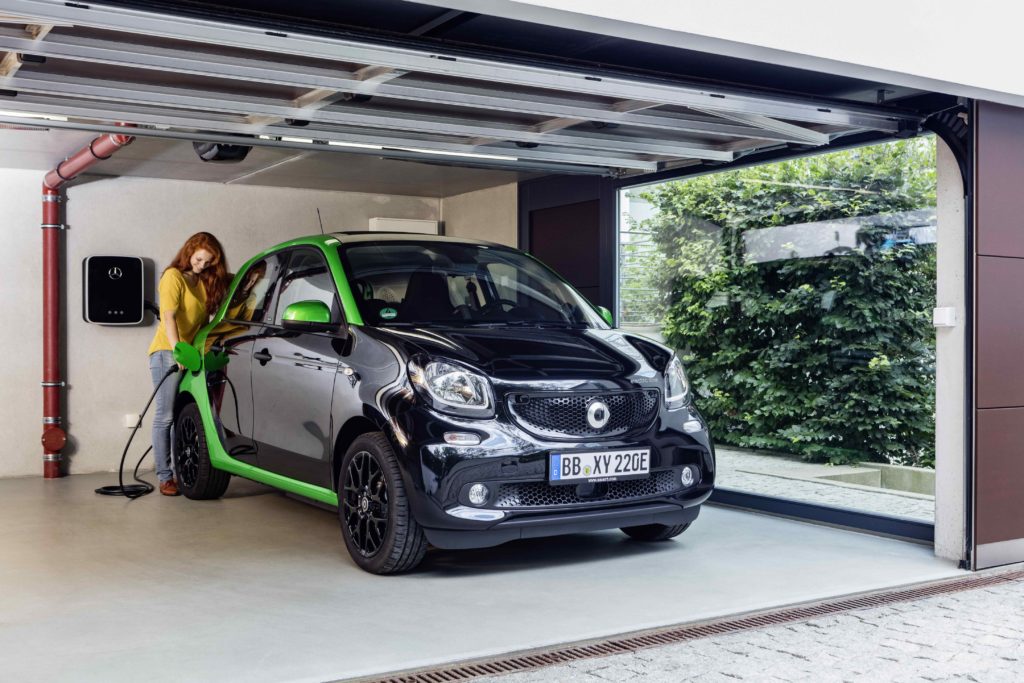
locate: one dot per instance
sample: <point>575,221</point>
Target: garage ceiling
<point>93,66</point>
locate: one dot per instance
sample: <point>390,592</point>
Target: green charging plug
<point>188,356</point>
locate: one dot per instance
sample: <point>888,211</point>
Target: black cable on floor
<point>133,491</point>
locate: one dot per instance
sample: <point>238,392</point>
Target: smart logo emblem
<point>115,273</point>
<point>598,415</point>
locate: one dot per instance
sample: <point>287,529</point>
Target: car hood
<point>537,353</point>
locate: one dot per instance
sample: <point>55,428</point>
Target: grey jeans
<point>159,363</point>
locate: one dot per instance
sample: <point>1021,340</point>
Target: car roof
<point>355,236</point>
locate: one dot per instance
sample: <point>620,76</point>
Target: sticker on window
<point>388,314</point>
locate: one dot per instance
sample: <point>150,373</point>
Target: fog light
<point>688,477</point>
<point>462,438</point>
<point>463,512</point>
<point>478,494</point>
<point>692,426</point>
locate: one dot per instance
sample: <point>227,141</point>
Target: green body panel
<point>607,315</point>
<point>328,245</point>
<point>194,383</point>
<point>308,312</point>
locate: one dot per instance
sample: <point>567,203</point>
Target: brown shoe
<point>169,488</point>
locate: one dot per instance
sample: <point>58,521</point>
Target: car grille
<point>564,416</point>
<point>542,494</point>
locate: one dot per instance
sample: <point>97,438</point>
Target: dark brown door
<point>999,336</point>
<point>566,238</point>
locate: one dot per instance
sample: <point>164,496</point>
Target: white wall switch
<point>130,420</point>
<point>944,316</point>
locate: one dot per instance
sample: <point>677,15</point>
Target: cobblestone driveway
<point>975,635</point>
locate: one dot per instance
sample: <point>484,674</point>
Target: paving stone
<point>975,635</point>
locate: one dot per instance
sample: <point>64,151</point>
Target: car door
<point>293,376</point>
<point>233,339</point>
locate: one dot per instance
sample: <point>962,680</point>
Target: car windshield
<point>421,283</point>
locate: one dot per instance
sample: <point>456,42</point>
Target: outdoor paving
<point>975,635</point>
<point>785,477</point>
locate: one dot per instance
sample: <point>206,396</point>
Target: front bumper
<point>562,522</point>
<point>510,461</point>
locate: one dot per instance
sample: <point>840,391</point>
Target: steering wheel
<point>495,304</point>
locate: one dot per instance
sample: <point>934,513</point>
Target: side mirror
<point>607,315</point>
<point>309,316</point>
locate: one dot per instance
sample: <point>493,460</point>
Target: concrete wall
<point>106,367</point>
<point>490,214</point>
<point>950,371</point>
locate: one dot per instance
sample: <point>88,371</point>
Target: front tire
<point>654,532</point>
<point>198,479</point>
<point>376,522</point>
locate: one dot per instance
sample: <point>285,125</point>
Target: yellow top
<point>188,303</point>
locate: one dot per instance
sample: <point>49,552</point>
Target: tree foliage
<point>826,353</point>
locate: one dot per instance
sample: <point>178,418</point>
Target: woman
<point>191,289</point>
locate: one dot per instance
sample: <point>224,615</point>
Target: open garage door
<point>94,66</point>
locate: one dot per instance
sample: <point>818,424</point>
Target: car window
<point>401,283</point>
<point>255,290</point>
<point>307,278</point>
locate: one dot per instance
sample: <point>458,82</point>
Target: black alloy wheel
<point>198,479</point>
<point>187,447</point>
<point>378,527</point>
<point>365,503</point>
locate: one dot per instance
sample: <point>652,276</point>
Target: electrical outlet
<point>130,420</point>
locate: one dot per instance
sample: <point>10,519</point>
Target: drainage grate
<point>677,634</point>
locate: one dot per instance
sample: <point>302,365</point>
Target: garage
<point>680,193</point>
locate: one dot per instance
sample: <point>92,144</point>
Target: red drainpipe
<point>54,436</point>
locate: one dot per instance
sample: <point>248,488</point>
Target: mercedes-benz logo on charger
<point>115,273</point>
<point>598,415</point>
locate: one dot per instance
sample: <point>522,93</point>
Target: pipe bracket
<point>53,384</point>
<point>55,226</point>
<point>48,420</point>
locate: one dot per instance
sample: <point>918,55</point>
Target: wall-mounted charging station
<point>113,290</point>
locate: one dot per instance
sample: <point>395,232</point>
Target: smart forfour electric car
<point>438,391</point>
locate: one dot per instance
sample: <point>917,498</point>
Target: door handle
<point>262,356</point>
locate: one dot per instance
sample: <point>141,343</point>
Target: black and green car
<point>441,392</point>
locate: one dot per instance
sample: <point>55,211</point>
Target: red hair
<point>215,276</point>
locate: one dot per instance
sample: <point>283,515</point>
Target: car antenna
<point>321,221</point>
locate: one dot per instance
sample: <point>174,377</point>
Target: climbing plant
<point>800,294</point>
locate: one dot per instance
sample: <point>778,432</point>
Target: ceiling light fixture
<point>472,155</point>
<point>28,115</point>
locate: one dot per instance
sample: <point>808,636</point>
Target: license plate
<point>573,468</point>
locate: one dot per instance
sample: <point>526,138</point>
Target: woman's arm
<point>171,328</point>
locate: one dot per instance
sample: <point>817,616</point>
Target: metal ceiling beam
<point>180,98</point>
<point>197,125</point>
<point>11,62</point>
<point>328,80</point>
<point>765,123</point>
<point>206,32</point>
<point>492,164</point>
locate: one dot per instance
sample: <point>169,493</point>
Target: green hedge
<point>830,356</point>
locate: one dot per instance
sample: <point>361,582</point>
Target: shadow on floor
<point>539,553</point>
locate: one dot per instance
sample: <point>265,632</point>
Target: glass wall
<point>800,295</point>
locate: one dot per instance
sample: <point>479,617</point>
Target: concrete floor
<point>258,587</point>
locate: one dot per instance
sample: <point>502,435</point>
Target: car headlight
<point>677,387</point>
<point>452,388</point>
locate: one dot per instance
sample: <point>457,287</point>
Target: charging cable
<point>133,491</point>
